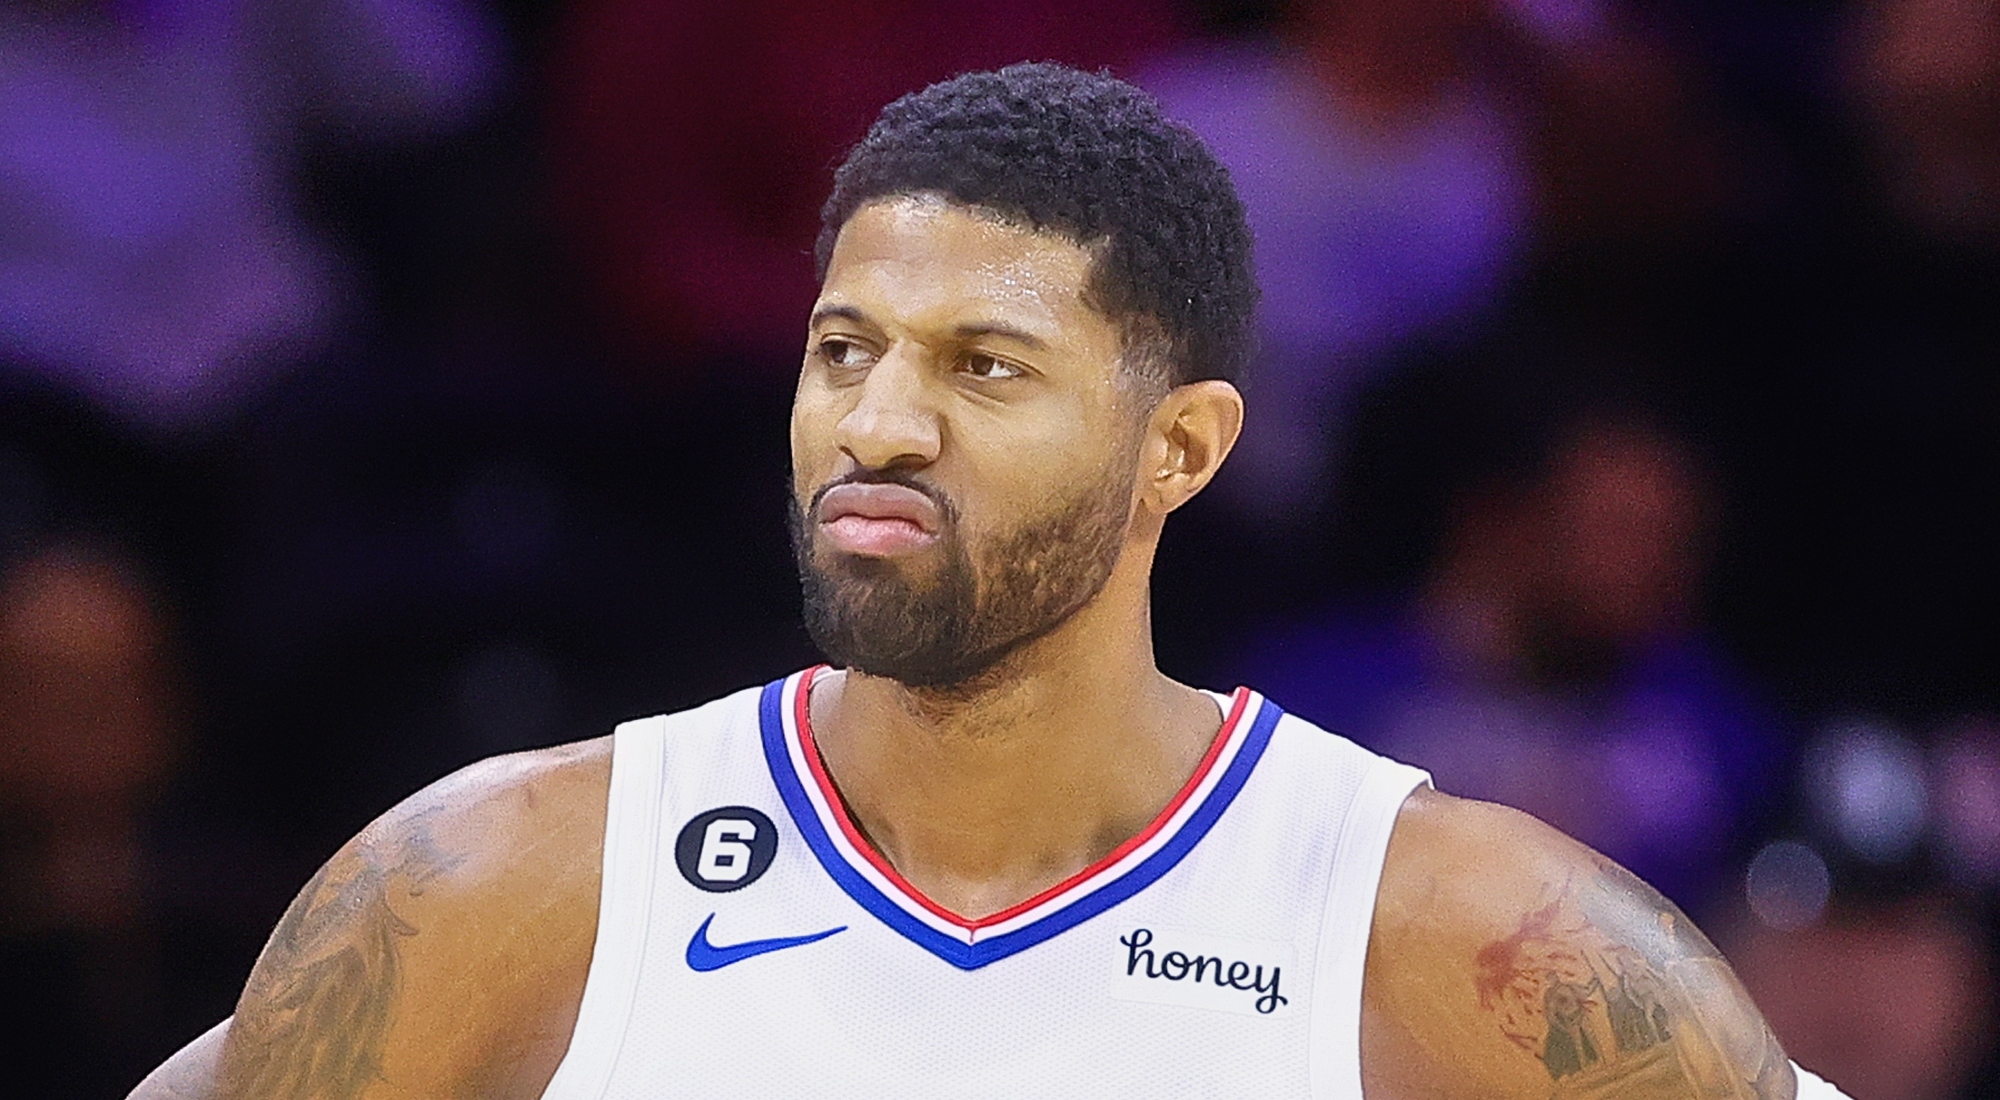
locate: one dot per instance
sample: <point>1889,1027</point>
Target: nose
<point>894,421</point>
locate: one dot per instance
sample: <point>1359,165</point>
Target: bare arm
<point>315,1019</point>
<point>190,1073</point>
<point>440,953</point>
<point>1509,961</point>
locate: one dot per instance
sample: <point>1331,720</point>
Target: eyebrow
<point>968,331</point>
<point>827,313</point>
<point>1004,331</point>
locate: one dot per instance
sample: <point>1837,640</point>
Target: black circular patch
<point>726,849</point>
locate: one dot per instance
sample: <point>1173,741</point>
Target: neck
<point>985,795</point>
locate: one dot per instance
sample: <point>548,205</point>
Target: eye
<point>841,352</point>
<point>981,365</point>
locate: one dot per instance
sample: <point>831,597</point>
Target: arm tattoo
<point>1616,992</point>
<point>319,1004</point>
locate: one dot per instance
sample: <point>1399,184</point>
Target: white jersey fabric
<point>751,944</point>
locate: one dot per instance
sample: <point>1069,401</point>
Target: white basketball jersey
<point>751,944</point>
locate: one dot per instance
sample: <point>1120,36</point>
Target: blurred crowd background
<point>389,383</point>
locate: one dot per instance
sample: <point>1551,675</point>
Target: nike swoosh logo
<point>705,956</point>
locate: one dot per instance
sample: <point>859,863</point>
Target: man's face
<point>964,443</point>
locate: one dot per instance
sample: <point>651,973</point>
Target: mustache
<point>947,511</point>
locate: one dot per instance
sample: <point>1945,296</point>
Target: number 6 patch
<point>726,849</point>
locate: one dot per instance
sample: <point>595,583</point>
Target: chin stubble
<point>981,604</point>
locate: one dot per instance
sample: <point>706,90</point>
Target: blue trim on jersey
<point>777,754</point>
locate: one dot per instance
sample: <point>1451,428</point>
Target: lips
<point>878,520</point>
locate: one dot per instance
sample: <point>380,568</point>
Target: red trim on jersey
<point>1237,704</point>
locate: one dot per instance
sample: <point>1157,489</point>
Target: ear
<point>1188,435</point>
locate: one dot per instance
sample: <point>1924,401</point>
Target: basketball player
<point>993,852</point>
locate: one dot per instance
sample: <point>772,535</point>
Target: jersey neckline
<point>816,809</point>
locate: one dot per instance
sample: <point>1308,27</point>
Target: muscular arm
<point>1509,961</point>
<point>441,953</point>
<point>189,1074</point>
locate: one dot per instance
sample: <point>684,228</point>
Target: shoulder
<point>506,829</point>
<point>498,814</point>
<point>452,935</point>
<point>1508,960</point>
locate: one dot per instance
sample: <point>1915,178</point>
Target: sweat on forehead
<point>1091,159</point>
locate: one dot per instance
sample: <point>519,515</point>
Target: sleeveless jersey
<point>751,944</point>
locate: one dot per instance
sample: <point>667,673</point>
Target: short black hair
<point>1091,158</point>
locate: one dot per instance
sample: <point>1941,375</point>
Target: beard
<point>982,603</point>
